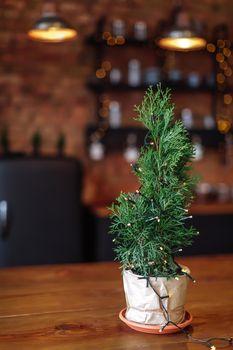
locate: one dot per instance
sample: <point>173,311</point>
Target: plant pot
<point>144,305</point>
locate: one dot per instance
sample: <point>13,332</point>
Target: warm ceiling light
<point>182,44</point>
<point>181,36</point>
<point>51,28</point>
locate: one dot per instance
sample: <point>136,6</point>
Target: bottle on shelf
<point>210,80</point>
<point>198,148</point>
<point>204,192</point>
<point>140,30</point>
<point>175,75</point>
<point>4,141</point>
<point>134,73</point>
<point>229,149</point>
<point>118,27</point>
<point>152,75</point>
<point>187,118</point>
<point>115,76</point>
<point>115,115</point>
<point>194,79</point>
<point>36,143</point>
<point>208,122</point>
<point>231,193</point>
<point>223,192</point>
<point>131,152</point>
<point>96,150</point>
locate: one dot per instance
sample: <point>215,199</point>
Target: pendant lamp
<point>50,27</point>
<point>181,34</point>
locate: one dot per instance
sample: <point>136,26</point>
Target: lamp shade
<point>50,27</point>
<point>181,35</point>
<point>178,39</point>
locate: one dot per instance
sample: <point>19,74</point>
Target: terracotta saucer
<point>146,328</point>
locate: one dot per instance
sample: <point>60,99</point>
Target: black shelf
<point>97,40</point>
<point>99,86</point>
<point>115,139</point>
<point>129,41</point>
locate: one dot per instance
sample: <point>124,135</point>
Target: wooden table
<point>74,307</point>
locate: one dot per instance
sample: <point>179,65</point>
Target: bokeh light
<point>120,40</point>
<point>220,78</point>
<point>111,41</point>
<point>223,125</point>
<point>220,43</point>
<point>228,72</point>
<point>219,57</point>
<point>211,47</point>
<point>223,65</point>
<point>226,52</point>
<point>227,99</point>
<point>106,65</point>
<point>106,35</point>
<point>100,73</point>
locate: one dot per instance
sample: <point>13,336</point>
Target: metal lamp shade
<point>52,29</point>
<point>181,39</point>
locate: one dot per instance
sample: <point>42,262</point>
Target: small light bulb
<point>177,278</point>
<point>158,220</point>
<point>194,281</point>
<point>213,347</point>
<point>139,169</point>
<point>129,224</point>
<point>125,198</point>
<point>137,191</point>
<point>180,250</point>
<point>161,248</point>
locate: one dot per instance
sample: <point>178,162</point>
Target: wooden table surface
<point>73,307</point>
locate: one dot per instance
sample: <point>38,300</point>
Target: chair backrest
<point>40,211</point>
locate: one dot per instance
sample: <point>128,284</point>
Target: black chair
<point>40,211</point>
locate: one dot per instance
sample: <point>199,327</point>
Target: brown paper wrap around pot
<point>143,305</point>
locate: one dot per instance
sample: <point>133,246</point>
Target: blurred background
<point>71,72</point>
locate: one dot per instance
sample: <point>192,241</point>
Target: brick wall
<point>43,86</point>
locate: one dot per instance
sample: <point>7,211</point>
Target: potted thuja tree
<point>150,225</point>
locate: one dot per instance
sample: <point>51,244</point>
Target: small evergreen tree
<point>60,144</point>
<point>4,140</point>
<point>36,142</point>
<point>150,224</point>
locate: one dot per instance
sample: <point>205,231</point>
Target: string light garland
<point>224,58</point>
<point>209,341</point>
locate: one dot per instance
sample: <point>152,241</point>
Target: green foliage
<point>60,144</point>
<point>4,140</point>
<point>36,139</point>
<point>149,226</point>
